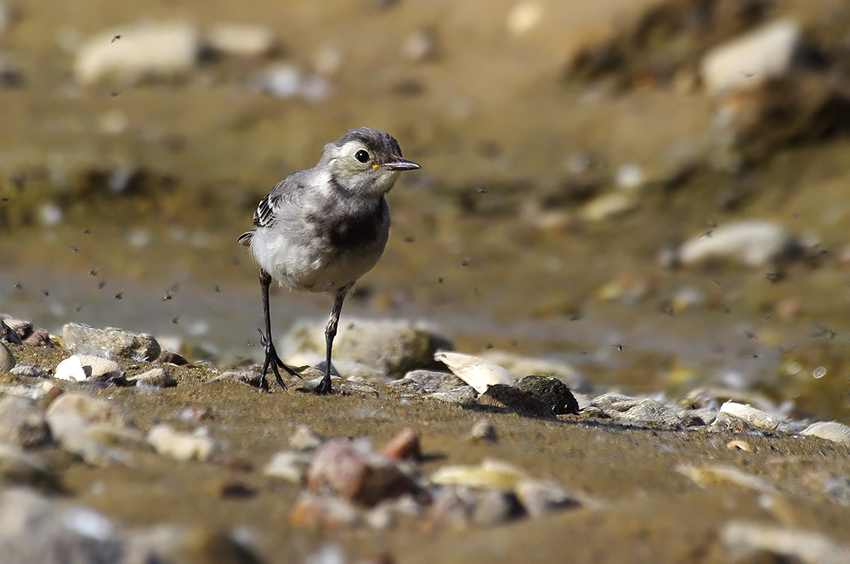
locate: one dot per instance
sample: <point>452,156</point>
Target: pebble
<point>89,409</point>
<point>421,45</point>
<point>427,382</point>
<point>38,338</point>
<point>242,40</point>
<point>155,378</point>
<point>22,423</point>
<point>392,347</point>
<point>404,446</point>
<point>344,469</point>
<point>20,327</point>
<point>451,509</point>
<point>829,430</point>
<point>7,361</point>
<point>551,391</point>
<point>483,430</point>
<point>290,466</point>
<point>463,396</point>
<point>609,206</point>
<point>197,445</point>
<point>287,81</point>
<point>493,474</point>
<point>494,507</point>
<point>526,365</point>
<point>123,437</point>
<point>541,498</point>
<point>109,342</point>
<point>136,52</point>
<point>750,243</point>
<point>784,543</point>
<point>476,371</point>
<point>22,468</point>
<point>169,357</point>
<point>514,399</point>
<point>305,439</point>
<point>325,513</point>
<point>35,529</point>
<point>523,17</point>
<point>763,53</point>
<point>252,378</point>
<point>81,368</point>
<point>639,410</point>
<point>755,418</point>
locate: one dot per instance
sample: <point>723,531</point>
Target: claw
<point>271,360</point>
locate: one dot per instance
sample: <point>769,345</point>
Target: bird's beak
<point>401,164</point>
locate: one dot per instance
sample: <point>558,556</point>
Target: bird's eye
<point>362,156</point>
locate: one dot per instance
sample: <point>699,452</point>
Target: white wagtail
<point>321,229</point>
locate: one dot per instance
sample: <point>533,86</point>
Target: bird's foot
<point>325,386</point>
<point>271,360</point>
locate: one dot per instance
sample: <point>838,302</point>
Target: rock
<point>155,378</point>
<point>476,371</point>
<point>287,81</point>
<point>305,439</point>
<point>829,430</point>
<point>252,378</point>
<point>421,45</point>
<point>347,471</point>
<point>89,409</point>
<point>541,498</point>
<point>22,423</point>
<point>109,342</point>
<point>551,391</point>
<point>493,474</point>
<point>451,509</point>
<point>21,328</point>
<point>463,396</point>
<point>483,430</point>
<point>755,418</point>
<point>751,59</point>
<point>182,446</point>
<point>29,371</point>
<point>523,17</point>
<point>137,52</point>
<point>494,507</point>
<point>644,411</point>
<point>427,381</point>
<point>81,368</point>
<point>35,529</point>
<point>753,243</point>
<point>242,40</point>
<point>526,365</point>
<point>786,543</point>
<point>38,338</point>
<point>319,512</point>
<point>404,446</point>
<point>609,206</point>
<point>390,347</point>
<point>290,466</point>
<point>514,399</point>
<point>169,357</point>
<point>713,474</point>
<point>172,544</point>
<point>7,361</point>
<point>20,468</point>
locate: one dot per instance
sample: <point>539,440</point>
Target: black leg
<point>325,386</point>
<point>266,339</point>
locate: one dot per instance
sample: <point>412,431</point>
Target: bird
<point>321,229</point>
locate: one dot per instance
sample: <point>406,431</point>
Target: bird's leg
<point>266,339</point>
<point>330,332</point>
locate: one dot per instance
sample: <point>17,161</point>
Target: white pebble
<point>755,417</point>
<point>523,17</point>
<point>750,243</point>
<point>475,371</point>
<point>242,40</point>
<point>829,430</point>
<point>181,446</point>
<point>138,51</point>
<point>751,59</point>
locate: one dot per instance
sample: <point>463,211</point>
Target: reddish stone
<point>404,446</point>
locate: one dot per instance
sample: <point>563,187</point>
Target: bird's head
<point>365,161</point>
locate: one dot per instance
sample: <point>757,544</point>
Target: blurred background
<point>655,191</point>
